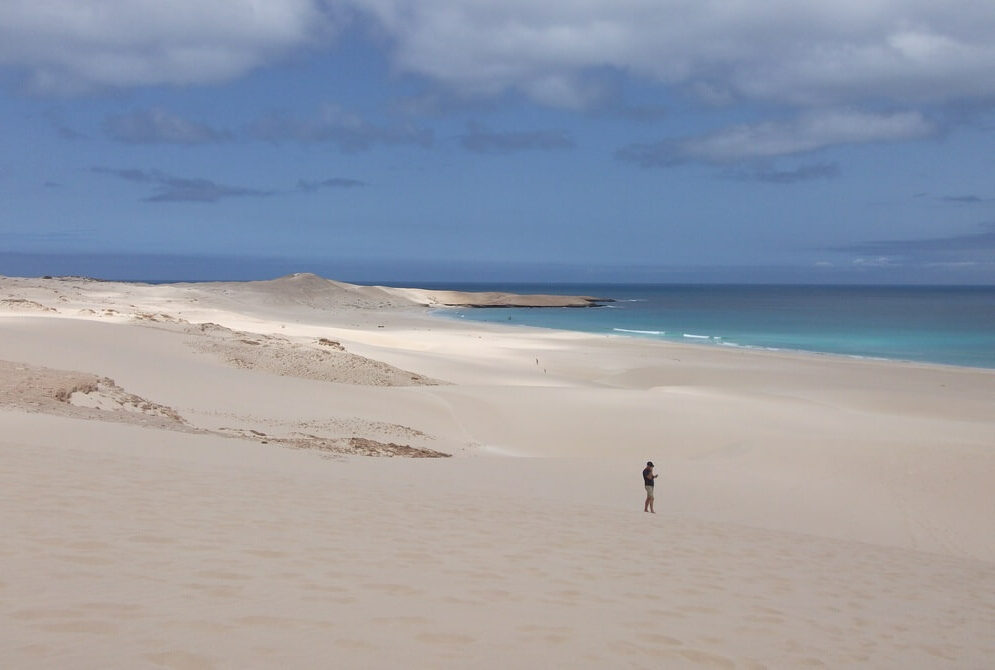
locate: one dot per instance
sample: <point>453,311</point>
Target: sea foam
<point>640,332</point>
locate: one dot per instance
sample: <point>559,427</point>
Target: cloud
<point>178,189</point>
<point>169,188</point>
<point>849,52</point>
<point>69,46</point>
<point>481,140</point>
<point>350,132</point>
<point>966,199</point>
<point>773,175</point>
<point>802,53</point>
<point>808,132</point>
<point>875,262</point>
<point>963,246</point>
<point>336,182</point>
<point>130,174</point>
<point>153,126</point>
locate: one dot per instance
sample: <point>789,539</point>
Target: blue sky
<point>622,140</point>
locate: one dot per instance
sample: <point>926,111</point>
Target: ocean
<point>934,324</point>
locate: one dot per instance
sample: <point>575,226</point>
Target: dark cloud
<point>52,184</point>
<point>308,186</point>
<point>351,133</point>
<point>967,199</point>
<point>169,188</point>
<point>481,140</point>
<point>970,243</point>
<point>177,189</point>
<point>773,175</point>
<point>157,126</point>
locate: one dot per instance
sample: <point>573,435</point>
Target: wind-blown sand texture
<point>217,476</point>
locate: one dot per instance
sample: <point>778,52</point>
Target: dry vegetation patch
<point>326,360</point>
<point>23,305</point>
<point>82,395</point>
<point>359,446</point>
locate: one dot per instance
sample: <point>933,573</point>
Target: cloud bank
<point>844,52</point>
<point>68,46</point>
<point>848,52</point>
<point>828,64</point>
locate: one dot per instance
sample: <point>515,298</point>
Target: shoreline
<point>429,298</point>
<point>439,312</point>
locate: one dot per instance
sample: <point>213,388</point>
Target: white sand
<point>159,509</point>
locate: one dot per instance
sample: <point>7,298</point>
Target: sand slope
<point>181,488</point>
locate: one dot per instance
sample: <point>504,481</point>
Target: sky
<point>850,141</point>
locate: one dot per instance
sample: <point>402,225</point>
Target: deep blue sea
<point>951,325</point>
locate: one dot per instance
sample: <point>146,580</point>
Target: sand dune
<point>218,475</point>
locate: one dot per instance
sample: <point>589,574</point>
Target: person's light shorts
<point>649,491</point>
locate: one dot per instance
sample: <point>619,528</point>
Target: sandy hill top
<point>300,289</point>
<point>308,290</point>
<point>320,293</point>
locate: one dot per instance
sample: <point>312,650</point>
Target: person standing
<point>648,478</point>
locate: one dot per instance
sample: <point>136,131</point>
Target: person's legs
<point>648,505</point>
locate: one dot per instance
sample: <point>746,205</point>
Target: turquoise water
<point>951,325</point>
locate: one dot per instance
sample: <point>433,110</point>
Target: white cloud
<point>842,52</point>
<point>72,45</point>
<point>811,131</point>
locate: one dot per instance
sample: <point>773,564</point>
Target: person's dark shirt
<point>648,476</point>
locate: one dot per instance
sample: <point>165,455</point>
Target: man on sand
<point>648,478</point>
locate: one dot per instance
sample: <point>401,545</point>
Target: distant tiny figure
<point>648,478</point>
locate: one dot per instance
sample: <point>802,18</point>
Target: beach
<point>306,473</point>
